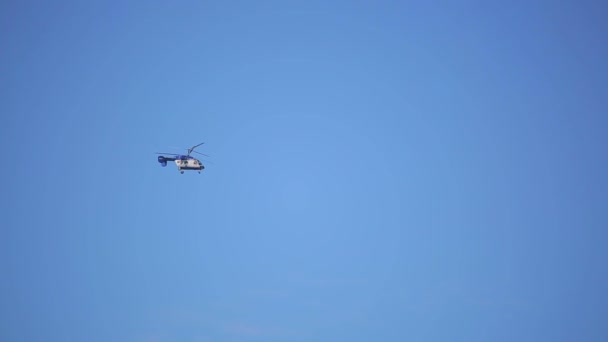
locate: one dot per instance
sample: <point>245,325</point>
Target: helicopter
<point>183,162</point>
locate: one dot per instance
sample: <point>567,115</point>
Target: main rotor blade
<point>193,147</point>
<point>202,154</point>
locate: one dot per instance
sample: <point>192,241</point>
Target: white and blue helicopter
<point>183,162</point>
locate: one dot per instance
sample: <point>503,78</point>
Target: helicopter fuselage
<point>184,163</point>
<point>189,164</point>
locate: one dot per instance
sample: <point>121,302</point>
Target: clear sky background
<point>379,171</point>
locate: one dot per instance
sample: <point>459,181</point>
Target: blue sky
<point>379,171</point>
